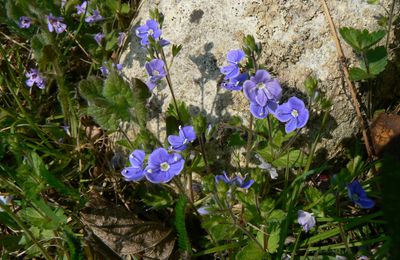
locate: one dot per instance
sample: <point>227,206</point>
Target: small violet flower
<point>150,28</point>
<point>121,38</point>
<point>95,17</point>
<point>294,113</point>
<point>5,200</point>
<point>99,38</point>
<point>24,22</point>
<point>263,92</point>
<point>235,84</point>
<point>34,78</point>
<point>155,70</point>
<point>232,70</point>
<point>55,24</point>
<point>235,181</point>
<point>118,67</point>
<point>266,166</point>
<point>63,2</point>
<point>104,71</point>
<point>136,171</point>
<point>163,166</point>
<point>179,142</point>
<point>81,9</point>
<point>358,195</point>
<point>306,220</point>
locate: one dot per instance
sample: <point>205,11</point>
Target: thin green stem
<point>296,245</point>
<point>391,15</point>
<point>169,81</point>
<point>314,145</point>
<point>249,140</point>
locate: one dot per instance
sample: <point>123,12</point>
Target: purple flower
<point>121,38</point>
<point>104,71</point>
<point>24,22</point>
<point>136,171</point>
<point>232,70</point>
<point>262,112</point>
<point>55,24</point>
<point>34,78</point>
<point>179,142</point>
<point>204,210</point>
<point>306,220</point>
<point>99,38</point>
<point>163,166</point>
<point>235,181</point>
<point>155,70</point>
<point>235,83</point>
<point>95,17</point>
<point>358,195</point>
<point>63,2</point>
<point>262,90</point>
<point>81,9</point>
<point>294,113</point>
<point>119,67</point>
<point>150,28</point>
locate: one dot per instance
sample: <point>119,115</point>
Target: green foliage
<point>361,40</point>
<point>180,224</point>
<point>115,102</point>
<point>250,252</point>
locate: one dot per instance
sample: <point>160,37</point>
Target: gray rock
<point>296,43</point>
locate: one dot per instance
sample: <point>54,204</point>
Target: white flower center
<point>185,141</point>
<point>156,73</point>
<point>165,166</point>
<point>260,85</point>
<point>294,113</point>
<point>150,32</point>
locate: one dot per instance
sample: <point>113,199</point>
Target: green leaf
<point>115,101</point>
<point>290,159</point>
<point>250,252</point>
<point>357,74</point>
<point>236,139</point>
<point>183,111</point>
<point>124,8</point>
<point>176,49</point>
<point>41,170</point>
<point>274,237</point>
<point>200,124</point>
<point>111,41</point>
<point>373,2</point>
<point>377,60</point>
<point>141,94</point>
<point>361,40</point>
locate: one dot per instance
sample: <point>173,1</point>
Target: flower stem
<point>249,140</point>
<point>169,81</point>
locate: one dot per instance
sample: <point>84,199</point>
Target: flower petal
<point>291,125</point>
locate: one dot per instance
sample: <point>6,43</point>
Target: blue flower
<point>235,181</point>
<point>306,220</point>
<point>81,9</point>
<point>294,113</point>
<point>150,28</point>
<point>95,17</point>
<point>235,83</point>
<point>136,171</point>
<point>99,38</point>
<point>262,90</point>
<point>358,195</point>
<point>155,70</point>
<point>24,22</point>
<point>55,24</point>
<point>104,71</point>
<point>34,78</point>
<point>262,112</point>
<point>232,70</point>
<point>179,142</point>
<point>163,166</point>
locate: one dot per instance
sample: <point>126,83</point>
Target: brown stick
<point>352,89</point>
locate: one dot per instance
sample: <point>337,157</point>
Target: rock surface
<point>296,43</point>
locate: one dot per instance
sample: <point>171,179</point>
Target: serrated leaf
<point>140,95</point>
<point>183,112</point>
<point>290,159</point>
<point>111,42</point>
<point>361,40</point>
<point>377,60</point>
<point>91,88</point>
<point>250,252</point>
<point>357,74</point>
<point>274,237</point>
